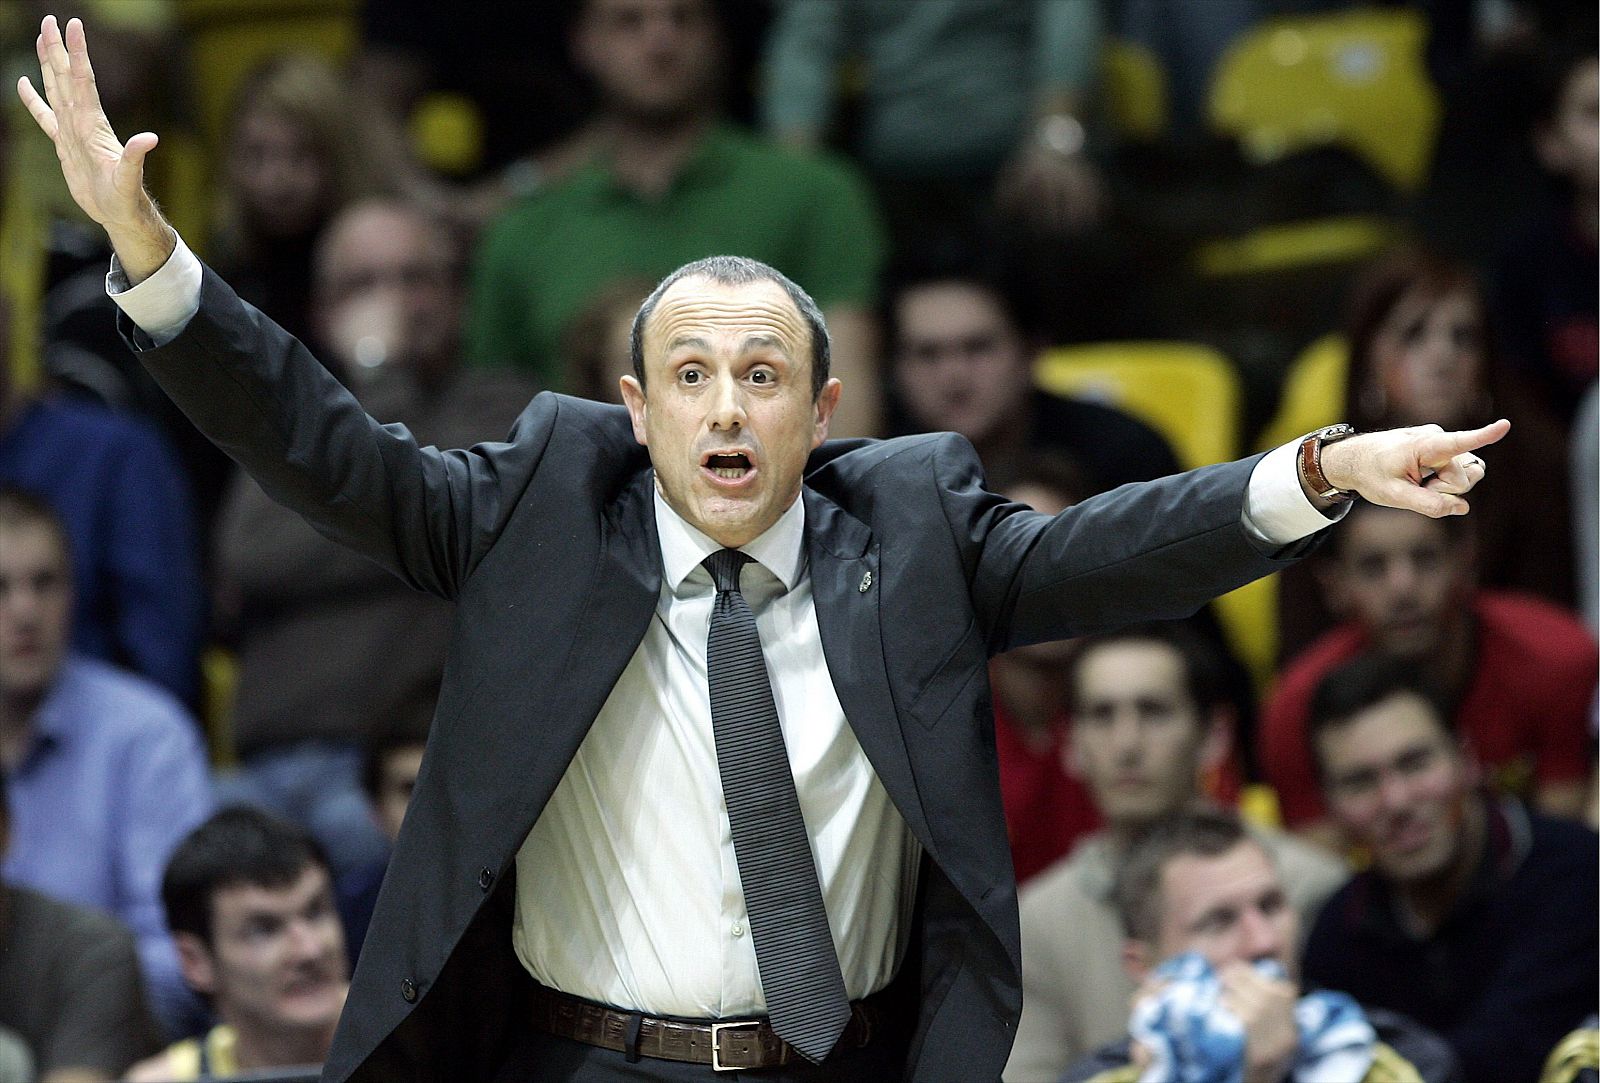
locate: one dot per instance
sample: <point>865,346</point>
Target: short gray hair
<point>1195,833</point>
<point>738,271</point>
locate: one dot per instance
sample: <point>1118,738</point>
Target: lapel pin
<point>866,581</point>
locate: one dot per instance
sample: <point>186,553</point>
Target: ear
<point>198,965</point>
<point>1137,960</point>
<point>827,403</point>
<point>1070,763</point>
<point>1330,578</point>
<point>633,399</point>
<point>1216,745</point>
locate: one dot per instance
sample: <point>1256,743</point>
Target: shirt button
<point>738,928</point>
<point>485,878</point>
<point>408,990</point>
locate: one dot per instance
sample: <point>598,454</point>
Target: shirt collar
<point>779,549</point>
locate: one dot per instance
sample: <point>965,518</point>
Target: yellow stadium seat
<point>1187,392</point>
<point>1356,79</point>
<point>1190,394</point>
<point>1313,392</point>
<point>1135,90</point>
<point>219,686</point>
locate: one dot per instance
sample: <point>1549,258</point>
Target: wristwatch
<point>1310,461</point>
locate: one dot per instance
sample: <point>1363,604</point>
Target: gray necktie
<point>800,976</point>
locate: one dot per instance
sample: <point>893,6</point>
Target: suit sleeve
<point>1157,550</point>
<point>426,515</point>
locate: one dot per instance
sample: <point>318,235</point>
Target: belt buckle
<point>716,1044</point>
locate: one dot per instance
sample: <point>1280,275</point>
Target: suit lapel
<point>843,559</point>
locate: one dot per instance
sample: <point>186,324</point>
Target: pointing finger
<point>78,59</point>
<point>55,59</point>
<point>1443,446</point>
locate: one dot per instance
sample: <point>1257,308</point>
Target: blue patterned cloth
<point>1192,1038</point>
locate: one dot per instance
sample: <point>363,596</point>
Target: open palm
<point>105,177</point>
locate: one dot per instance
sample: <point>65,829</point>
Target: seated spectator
<point>1547,279</point>
<point>670,183</point>
<point>126,505</point>
<point>1420,353</point>
<point>1211,941</point>
<point>596,347</point>
<point>70,990</point>
<point>296,153</point>
<point>106,770</point>
<point>1047,810</point>
<point>1150,718</point>
<point>330,644</point>
<point>1518,673</point>
<point>963,364</point>
<point>1476,917</point>
<point>390,762</point>
<point>250,903</point>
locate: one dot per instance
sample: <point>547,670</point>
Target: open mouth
<point>730,466</point>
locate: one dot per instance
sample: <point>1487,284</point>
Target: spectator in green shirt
<point>670,182</point>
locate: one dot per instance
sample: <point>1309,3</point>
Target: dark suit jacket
<point>548,544</point>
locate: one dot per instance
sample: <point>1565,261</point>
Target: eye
<point>691,376</point>
<point>762,377</point>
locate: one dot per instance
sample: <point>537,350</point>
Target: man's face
<point>960,365</point>
<point>276,958</point>
<point>1398,575</point>
<point>1229,908</point>
<point>727,410</point>
<point>1427,357</point>
<point>1399,785</point>
<point>35,608</point>
<point>1137,739</point>
<point>654,60</point>
<point>387,292</point>
<point>397,778</point>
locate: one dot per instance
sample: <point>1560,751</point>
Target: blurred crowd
<point>1104,240</point>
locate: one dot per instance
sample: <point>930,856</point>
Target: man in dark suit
<point>571,890</point>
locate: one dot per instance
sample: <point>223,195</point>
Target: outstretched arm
<point>105,177</point>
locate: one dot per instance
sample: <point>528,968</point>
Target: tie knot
<point>724,566</point>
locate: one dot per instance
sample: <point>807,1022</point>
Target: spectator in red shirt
<point>1518,673</point>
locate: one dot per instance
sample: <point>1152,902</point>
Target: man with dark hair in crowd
<point>388,300</point>
<point>963,363</point>
<point>671,182</point>
<point>1211,938</point>
<point>1476,917</point>
<point>1151,718</point>
<point>70,989</point>
<point>1518,674</point>
<point>107,772</point>
<point>249,899</point>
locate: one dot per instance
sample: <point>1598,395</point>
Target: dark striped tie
<point>805,993</point>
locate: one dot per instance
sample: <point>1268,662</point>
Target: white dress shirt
<point>628,890</point>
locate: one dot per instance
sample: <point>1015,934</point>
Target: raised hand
<point>1422,469</point>
<point>105,177</point>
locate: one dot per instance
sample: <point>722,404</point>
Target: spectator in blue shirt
<point>129,521</point>
<point>106,771</point>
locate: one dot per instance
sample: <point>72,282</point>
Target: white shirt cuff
<point>162,305</point>
<point>1276,509</point>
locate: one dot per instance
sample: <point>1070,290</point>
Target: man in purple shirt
<point>106,771</point>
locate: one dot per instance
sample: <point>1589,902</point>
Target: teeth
<point>728,471</point>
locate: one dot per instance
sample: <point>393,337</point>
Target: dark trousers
<point>544,1058</point>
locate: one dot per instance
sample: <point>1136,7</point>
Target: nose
<point>1394,791</point>
<point>1262,937</point>
<point>727,405</point>
<point>1125,736</point>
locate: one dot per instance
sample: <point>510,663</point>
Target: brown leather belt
<point>726,1046</point>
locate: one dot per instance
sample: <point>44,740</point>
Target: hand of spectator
<point>1266,1008</point>
<point>1422,468</point>
<point>105,177</point>
<point>1057,193</point>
